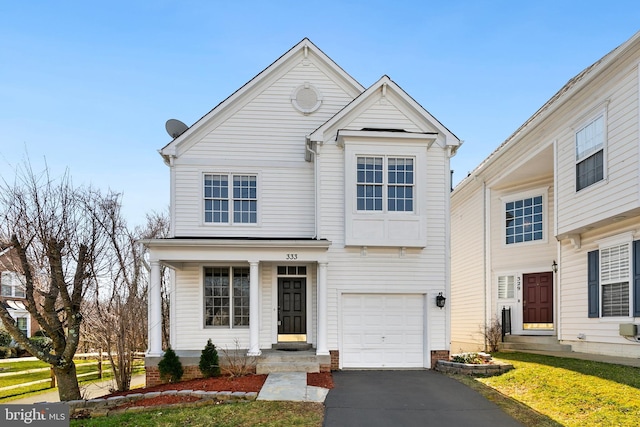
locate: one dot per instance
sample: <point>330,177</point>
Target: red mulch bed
<point>247,384</point>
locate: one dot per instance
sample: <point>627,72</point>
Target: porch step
<point>533,342</point>
<point>287,361</point>
<point>292,346</point>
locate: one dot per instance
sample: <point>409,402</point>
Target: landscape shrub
<point>42,342</point>
<point>5,352</point>
<point>209,363</point>
<point>5,338</point>
<point>170,366</point>
<point>469,358</point>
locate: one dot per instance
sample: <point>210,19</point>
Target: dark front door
<point>538,297</point>
<point>292,306</point>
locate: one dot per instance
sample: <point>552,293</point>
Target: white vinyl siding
<point>467,302</point>
<point>265,135</point>
<point>618,191</point>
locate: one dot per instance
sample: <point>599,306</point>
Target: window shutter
<point>592,280</point>
<point>636,278</point>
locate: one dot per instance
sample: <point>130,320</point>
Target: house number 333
<point>292,256</point>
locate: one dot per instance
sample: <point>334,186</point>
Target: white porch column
<point>322,347</point>
<point>254,310</point>
<point>155,311</point>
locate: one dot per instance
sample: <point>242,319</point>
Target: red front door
<point>538,298</point>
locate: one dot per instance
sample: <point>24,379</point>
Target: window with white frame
<point>385,182</point>
<point>590,142</point>
<point>226,296</point>
<point>506,287</point>
<point>615,276</point>
<point>230,199</point>
<point>22,324</point>
<point>524,220</point>
<point>12,285</point>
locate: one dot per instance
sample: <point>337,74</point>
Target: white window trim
<point>541,191</point>
<point>600,110</point>
<point>230,326</point>
<point>618,240</point>
<point>231,174</point>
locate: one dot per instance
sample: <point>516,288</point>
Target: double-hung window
<point>12,285</point>
<point>226,296</point>
<point>230,199</point>
<point>385,184</point>
<point>614,279</point>
<point>590,141</point>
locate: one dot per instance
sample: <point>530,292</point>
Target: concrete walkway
<point>88,391</point>
<point>291,386</point>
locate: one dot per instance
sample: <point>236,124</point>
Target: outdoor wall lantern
<point>440,299</point>
<point>554,266</point>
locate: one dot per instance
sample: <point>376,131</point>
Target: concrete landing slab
<point>291,386</point>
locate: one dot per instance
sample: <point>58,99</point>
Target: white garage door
<point>382,331</point>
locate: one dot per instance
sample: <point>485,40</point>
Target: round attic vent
<point>306,98</point>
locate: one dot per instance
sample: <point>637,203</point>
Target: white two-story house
<point>306,208</point>
<point>548,226</point>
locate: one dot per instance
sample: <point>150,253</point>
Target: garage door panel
<point>382,330</point>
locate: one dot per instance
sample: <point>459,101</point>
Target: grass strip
<point>257,413</point>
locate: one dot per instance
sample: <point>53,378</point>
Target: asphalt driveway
<point>407,398</point>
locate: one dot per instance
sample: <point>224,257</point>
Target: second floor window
<point>524,220</point>
<point>12,285</point>
<point>590,153</point>
<point>230,198</point>
<point>385,182</point>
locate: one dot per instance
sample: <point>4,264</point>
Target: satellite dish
<point>175,128</point>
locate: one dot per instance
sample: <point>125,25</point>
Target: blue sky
<point>89,86</point>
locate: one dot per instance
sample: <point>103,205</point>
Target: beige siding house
<point>307,209</point>
<point>548,226</point>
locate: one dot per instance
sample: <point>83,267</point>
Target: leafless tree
<point>118,319</point>
<point>119,302</point>
<point>59,246</point>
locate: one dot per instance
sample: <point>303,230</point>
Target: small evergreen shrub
<point>5,338</point>
<point>5,352</point>
<point>42,342</point>
<point>209,364</point>
<point>170,366</point>
<point>468,358</point>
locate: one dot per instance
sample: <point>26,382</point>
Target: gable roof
<point>305,47</point>
<point>561,97</point>
<point>385,84</point>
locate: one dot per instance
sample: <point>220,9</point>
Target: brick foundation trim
<point>335,360</point>
<point>438,355</point>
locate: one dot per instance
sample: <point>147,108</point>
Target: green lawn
<point>257,413</point>
<point>82,367</point>
<point>567,392</point>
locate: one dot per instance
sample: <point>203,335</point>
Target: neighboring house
<point>548,225</point>
<point>306,208</point>
<point>13,292</point>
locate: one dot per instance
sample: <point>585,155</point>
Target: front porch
<point>269,361</point>
<point>543,343</point>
